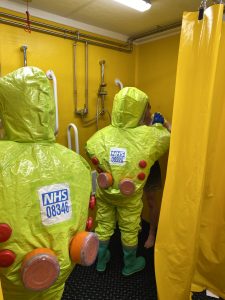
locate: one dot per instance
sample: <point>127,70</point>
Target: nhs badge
<point>55,203</point>
<point>117,156</point>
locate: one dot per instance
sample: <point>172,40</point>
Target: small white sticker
<point>55,203</point>
<point>117,156</point>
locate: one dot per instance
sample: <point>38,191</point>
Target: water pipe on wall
<point>82,112</point>
<point>23,48</point>
<point>50,74</point>
<point>76,139</point>
<point>101,91</point>
<point>100,103</point>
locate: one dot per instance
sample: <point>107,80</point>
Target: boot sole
<point>136,271</point>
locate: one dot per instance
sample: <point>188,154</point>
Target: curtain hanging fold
<point>190,246</point>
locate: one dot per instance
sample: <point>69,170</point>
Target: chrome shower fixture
<point>23,48</point>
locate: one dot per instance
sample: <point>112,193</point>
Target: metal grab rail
<point>50,74</point>
<point>71,125</point>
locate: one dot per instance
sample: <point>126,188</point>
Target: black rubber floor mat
<point>85,283</point>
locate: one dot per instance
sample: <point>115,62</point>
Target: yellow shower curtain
<point>190,246</point>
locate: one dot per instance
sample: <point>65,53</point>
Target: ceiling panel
<point>110,15</point>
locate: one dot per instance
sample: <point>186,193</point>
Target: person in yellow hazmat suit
<point>123,154</point>
<point>154,185</point>
<point>44,194</point>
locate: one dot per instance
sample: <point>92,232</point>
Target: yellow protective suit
<point>44,187</point>
<point>135,143</point>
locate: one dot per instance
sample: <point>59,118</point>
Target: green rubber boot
<point>103,256</point>
<point>132,264</point>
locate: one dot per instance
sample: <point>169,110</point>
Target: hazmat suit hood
<point>128,107</point>
<point>27,110</point>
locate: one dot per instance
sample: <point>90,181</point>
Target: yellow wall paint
<point>156,72</point>
<point>1,296</point>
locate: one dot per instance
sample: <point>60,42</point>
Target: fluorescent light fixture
<point>140,5</point>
